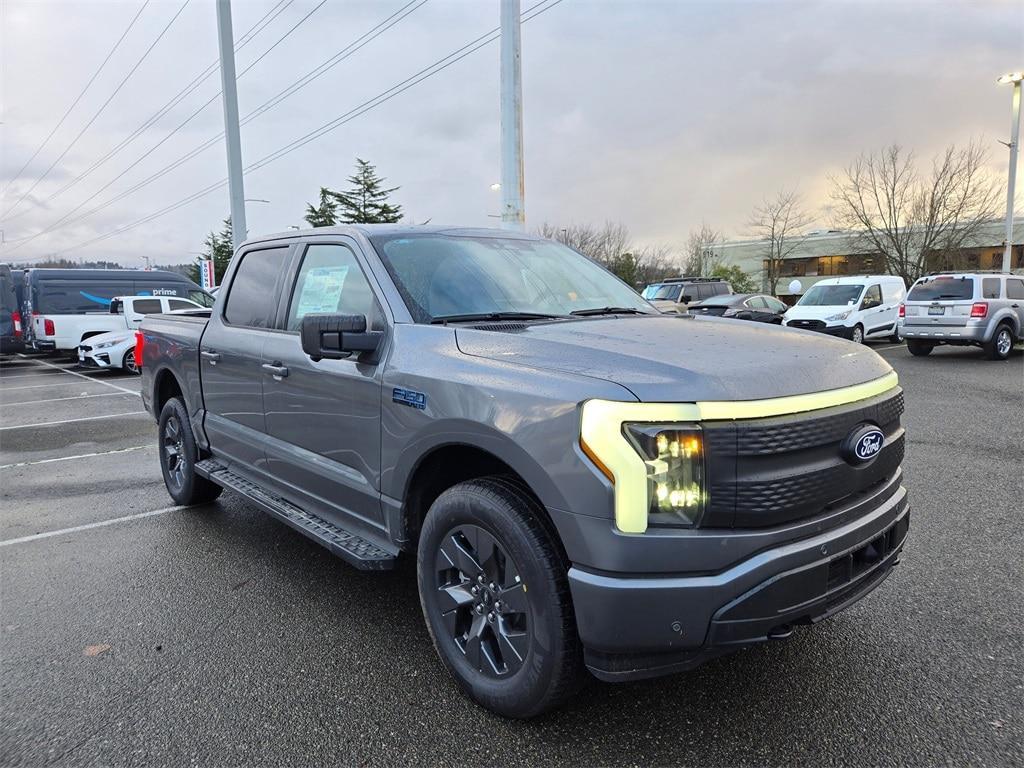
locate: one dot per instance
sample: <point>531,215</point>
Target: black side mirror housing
<point>335,337</point>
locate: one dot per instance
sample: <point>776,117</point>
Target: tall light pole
<point>234,144</point>
<point>1015,78</point>
<point>513,215</point>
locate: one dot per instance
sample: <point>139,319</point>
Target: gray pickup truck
<point>584,483</point>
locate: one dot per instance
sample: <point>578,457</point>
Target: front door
<point>879,319</point>
<point>323,418</point>
<point>230,357</point>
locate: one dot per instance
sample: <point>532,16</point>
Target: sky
<point>659,115</point>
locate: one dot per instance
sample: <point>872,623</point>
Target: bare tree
<point>611,245</point>
<point>779,221</point>
<point>701,256</point>
<point>907,217</point>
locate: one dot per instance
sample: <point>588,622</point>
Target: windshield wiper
<point>608,311</point>
<point>477,316</point>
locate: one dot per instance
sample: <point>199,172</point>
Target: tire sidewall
<point>522,694</point>
<point>124,363</point>
<point>175,407</point>
<point>853,335</point>
<point>999,331</point>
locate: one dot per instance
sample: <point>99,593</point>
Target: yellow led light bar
<point>601,436</point>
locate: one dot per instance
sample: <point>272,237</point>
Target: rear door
<point>323,418</point>
<point>1015,295</point>
<point>231,353</point>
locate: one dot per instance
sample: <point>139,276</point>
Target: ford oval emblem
<point>863,444</point>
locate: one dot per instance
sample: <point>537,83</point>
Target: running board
<point>354,549</point>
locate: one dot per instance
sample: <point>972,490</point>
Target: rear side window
<point>147,306</point>
<point>176,304</point>
<point>1014,288</point>
<point>720,288</point>
<point>991,287</point>
<point>943,289</point>
<point>252,301</point>
<point>757,302</point>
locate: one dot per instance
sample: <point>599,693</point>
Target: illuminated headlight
<point>674,458</point>
<point>109,344</point>
<point>839,315</point>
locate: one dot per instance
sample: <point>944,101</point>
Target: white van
<point>858,307</point>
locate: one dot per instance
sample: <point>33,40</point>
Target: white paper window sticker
<point>321,290</point>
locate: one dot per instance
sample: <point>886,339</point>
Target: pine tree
<point>366,202</point>
<point>218,246</point>
<point>326,214</point>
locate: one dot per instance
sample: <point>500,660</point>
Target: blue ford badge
<point>862,444</point>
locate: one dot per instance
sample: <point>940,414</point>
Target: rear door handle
<point>276,369</point>
<point>210,355</point>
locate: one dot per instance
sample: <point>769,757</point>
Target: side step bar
<point>354,549</point>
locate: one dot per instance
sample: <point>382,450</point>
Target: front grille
<point>811,325</point>
<point>767,472</point>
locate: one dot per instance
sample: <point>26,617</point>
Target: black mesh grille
<point>766,472</point>
<point>814,325</point>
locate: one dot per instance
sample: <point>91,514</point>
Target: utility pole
<point>513,215</point>
<point>231,134</point>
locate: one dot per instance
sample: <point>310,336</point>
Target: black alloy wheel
<point>482,601</point>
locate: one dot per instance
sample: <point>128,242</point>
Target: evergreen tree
<point>326,214</point>
<point>367,200</point>
<point>219,247</point>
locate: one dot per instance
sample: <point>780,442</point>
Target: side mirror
<point>335,337</point>
<point>687,298</point>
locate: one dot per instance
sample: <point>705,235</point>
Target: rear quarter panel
<point>172,349</point>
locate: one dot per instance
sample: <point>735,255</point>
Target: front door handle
<point>277,370</point>
<point>210,355</point>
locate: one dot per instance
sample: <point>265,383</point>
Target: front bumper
<point>643,627</point>
<point>841,331</point>
<point>92,359</point>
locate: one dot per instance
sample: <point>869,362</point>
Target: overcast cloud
<point>657,114</point>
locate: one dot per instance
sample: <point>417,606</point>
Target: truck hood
<point>682,358</point>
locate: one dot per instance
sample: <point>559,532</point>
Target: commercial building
<point>832,253</point>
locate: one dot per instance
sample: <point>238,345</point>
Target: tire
<point>1000,345</point>
<point>178,455</point>
<point>919,348</point>
<point>512,650</point>
<point>857,337</point>
<point>128,364</point>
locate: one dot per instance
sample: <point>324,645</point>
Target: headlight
<point>839,316</point>
<point>730,312</point>
<point>674,458</point>
<point>109,344</point>
<point>653,455</point>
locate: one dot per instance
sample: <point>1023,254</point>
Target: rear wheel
<point>495,596</point>
<point>919,348</point>
<point>178,456</point>
<point>1001,344</point>
<point>857,337</point>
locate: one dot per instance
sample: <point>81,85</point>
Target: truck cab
<point>584,483</point>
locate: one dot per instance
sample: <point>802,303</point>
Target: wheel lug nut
<point>480,578</point>
<point>475,591</point>
<point>491,585</point>
<point>497,606</point>
<point>490,617</point>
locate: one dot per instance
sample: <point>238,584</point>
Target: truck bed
<point>172,341</point>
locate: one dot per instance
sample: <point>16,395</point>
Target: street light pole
<point>231,134</point>
<point>1015,78</point>
<point>513,215</point>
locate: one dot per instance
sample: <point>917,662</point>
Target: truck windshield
<point>442,276</point>
<point>831,295</point>
<point>943,288</point>
<point>663,291</point>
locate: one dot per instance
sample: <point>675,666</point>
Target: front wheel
<point>178,455</point>
<point>1001,344</point>
<point>857,337</point>
<point>495,596</point>
<point>129,365</point>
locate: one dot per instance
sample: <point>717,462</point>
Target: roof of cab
<point>371,230</point>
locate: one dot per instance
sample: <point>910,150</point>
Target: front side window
<point>202,298</point>
<point>831,295</point>
<point>775,305</point>
<point>872,297</point>
<point>441,276</point>
<point>251,301</point>
<point>331,281</point>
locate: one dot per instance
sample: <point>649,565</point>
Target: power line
<point>100,110</point>
<point>290,90</point>
<point>245,39</point>
<point>428,72</point>
<point>78,98</point>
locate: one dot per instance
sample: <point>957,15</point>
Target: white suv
<point>970,308</point>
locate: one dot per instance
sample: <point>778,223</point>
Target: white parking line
<point>79,456</point>
<point>69,421</point>
<point>58,383</point>
<point>61,399</point>
<point>87,378</point>
<point>892,346</point>
<point>89,526</point>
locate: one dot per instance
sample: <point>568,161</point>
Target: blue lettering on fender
<point>409,397</point>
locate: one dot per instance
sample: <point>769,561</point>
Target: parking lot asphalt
<point>216,636</point>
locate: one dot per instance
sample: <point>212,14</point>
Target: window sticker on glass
<point>322,290</point>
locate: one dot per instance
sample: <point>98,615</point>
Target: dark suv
<point>677,293</point>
